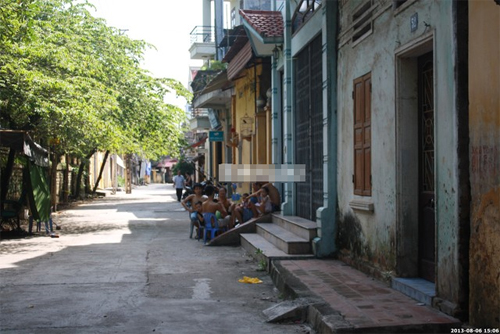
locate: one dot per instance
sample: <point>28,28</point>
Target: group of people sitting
<point>264,199</point>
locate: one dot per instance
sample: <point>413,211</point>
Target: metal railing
<point>199,112</point>
<point>202,34</point>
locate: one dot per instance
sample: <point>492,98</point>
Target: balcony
<point>202,42</point>
<point>200,123</point>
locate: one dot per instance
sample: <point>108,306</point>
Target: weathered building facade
<point>402,173</point>
<point>393,107</point>
<point>304,115</point>
<point>236,97</point>
<point>484,150</point>
<point>248,132</point>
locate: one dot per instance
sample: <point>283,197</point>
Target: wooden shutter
<point>358,136</point>
<point>362,136</point>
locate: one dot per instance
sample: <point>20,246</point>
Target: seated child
<point>265,205</point>
<point>243,212</point>
<point>247,213</point>
<point>196,219</point>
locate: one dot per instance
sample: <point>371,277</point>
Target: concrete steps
<point>283,239</point>
<point>262,250</point>
<point>232,237</point>
<point>416,288</point>
<point>304,228</point>
<point>287,237</point>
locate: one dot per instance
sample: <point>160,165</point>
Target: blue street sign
<point>216,136</point>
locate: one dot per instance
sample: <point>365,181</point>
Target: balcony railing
<point>199,112</point>
<point>202,34</point>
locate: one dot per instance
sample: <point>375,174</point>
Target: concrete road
<point>125,264</point>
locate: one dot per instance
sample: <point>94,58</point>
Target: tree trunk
<point>53,180</point>
<point>101,170</point>
<point>128,174</point>
<point>78,180</point>
<point>80,173</point>
<point>87,180</point>
<point>7,174</point>
<point>66,181</point>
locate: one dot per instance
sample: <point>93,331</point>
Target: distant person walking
<point>179,182</point>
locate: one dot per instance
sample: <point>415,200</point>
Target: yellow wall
<point>484,129</point>
<point>94,168</point>
<point>253,150</point>
<point>261,138</point>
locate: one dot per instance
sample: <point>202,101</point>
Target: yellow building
<point>249,132</point>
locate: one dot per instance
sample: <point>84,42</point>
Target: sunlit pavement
<point>125,264</point>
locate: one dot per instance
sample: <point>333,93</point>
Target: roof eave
<point>262,46</point>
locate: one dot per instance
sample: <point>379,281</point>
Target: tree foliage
<point>183,166</point>
<point>76,84</point>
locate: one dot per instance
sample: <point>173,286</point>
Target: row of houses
<point>393,106</point>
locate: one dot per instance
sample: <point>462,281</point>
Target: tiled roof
<point>266,23</point>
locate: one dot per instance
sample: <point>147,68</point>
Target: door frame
<point>407,159</point>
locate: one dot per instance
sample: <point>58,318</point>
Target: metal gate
<point>427,211</point>
<point>309,128</point>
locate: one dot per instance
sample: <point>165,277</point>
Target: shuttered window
<point>362,136</point>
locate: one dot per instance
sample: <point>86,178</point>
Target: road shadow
<point>117,267</point>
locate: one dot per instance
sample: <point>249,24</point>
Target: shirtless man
<point>211,206</point>
<point>228,205</point>
<point>192,199</point>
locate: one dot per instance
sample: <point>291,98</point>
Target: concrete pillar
<point>219,25</point>
<point>207,13</point>
<point>326,216</point>
<point>288,206</point>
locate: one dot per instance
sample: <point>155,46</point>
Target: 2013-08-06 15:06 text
<point>475,330</point>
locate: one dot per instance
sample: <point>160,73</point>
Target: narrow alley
<point>124,264</point>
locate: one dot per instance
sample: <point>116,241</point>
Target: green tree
<point>76,84</point>
<point>184,166</point>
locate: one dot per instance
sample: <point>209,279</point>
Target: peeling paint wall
<point>371,234</point>
<point>363,251</point>
<point>484,128</point>
<point>370,226</point>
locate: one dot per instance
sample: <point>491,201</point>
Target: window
<point>255,4</point>
<point>303,12</point>
<point>362,21</point>
<point>362,135</point>
<point>233,18</point>
<point>398,3</point>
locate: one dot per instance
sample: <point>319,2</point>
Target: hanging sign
<point>216,136</point>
